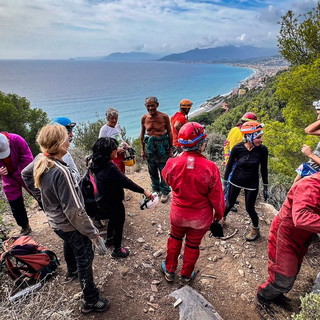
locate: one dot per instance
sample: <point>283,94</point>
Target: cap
<point>186,103</point>
<point>4,146</point>
<point>64,121</point>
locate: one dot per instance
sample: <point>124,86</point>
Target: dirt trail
<point>230,270</point>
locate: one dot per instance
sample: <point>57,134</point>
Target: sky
<point>62,29</point>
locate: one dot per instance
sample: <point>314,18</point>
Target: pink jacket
<point>21,156</point>
<point>196,190</point>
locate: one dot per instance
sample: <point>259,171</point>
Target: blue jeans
<point>155,166</point>
<point>79,255</point>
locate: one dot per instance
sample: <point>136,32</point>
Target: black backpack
<point>90,198</point>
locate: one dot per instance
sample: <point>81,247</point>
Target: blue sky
<point>60,29</point>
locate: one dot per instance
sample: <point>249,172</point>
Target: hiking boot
<point>100,306</point>
<point>120,253</point>
<point>253,234</point>
<point>169,276</point>
<point>185,280</point>
<point>283,302</point>
<point>70,276</point>
<point>265,308</point>
<point>109,241</point>
<point>164,198</point>
<point>26,230</point>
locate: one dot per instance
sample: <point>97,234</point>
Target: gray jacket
<point>62,200</point>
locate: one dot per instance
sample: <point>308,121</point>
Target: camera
<point>316,104</point>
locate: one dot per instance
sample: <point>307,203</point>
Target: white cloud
<point>242,38</point>
<point>71,28</point>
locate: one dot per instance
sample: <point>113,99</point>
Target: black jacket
<point>110,183</point>
<point>246,172</point>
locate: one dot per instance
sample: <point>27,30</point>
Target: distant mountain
<point>119,56</point>
<point>86,58</point>
<point>131,56</point>
<point>222,54</point>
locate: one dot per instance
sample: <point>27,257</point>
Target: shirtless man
<point>156,145</point>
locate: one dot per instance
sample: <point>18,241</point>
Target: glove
<point>216,230</point>
<point>100,246</point>
<point>265,192</point>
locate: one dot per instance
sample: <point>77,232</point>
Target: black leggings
<point>115,225</point>
<point>250,199</point>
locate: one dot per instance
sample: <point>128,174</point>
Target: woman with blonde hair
<point>63,204</point>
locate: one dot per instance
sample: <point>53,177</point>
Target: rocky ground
<point>229,270</point>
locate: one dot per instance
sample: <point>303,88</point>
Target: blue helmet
<point>64,121</point>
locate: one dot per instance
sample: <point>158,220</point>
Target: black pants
<point>19,212</point>
<point>116,223</point>
<point>79,255</point>
<point>250,200</point>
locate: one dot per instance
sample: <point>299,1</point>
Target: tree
<point>299,42</point>
<point>16,116</point>
<point>297,89</point>
<point>86,134</point>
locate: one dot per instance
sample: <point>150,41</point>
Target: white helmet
<point>146,203</point>
<point>316,104</point>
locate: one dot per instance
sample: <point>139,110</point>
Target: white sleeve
<point>67,158</point>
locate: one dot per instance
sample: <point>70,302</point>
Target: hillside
<point>222,54</point>
<point>229,270</point>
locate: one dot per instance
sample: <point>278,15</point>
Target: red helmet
<point>190,134</point>
<point>249,116</point>
<point>251,127</point>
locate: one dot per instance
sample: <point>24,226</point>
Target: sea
<point>83,90</point>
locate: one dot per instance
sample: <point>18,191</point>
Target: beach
<point>262,71</point>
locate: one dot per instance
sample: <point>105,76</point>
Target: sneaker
<point>100,306</point>
<point>109,241</point>
<point>185,280</point>
<point>70,276</point>
<point>164,198</point>
<point>253,234</point>
<point>120,253</point>
<point>25,231</point>
<point>169,276</point>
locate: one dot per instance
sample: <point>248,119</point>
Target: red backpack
<point>23,257</point>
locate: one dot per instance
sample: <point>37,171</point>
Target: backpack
<point>89,191</point>
<point>23,257</point>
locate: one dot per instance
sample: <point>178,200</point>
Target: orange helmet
<point>251,127</point>
<point>186,103</point>
<point>190,134</point>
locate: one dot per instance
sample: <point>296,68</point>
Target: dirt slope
<point>230,270</point>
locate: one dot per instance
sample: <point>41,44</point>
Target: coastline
<point>261,71</point>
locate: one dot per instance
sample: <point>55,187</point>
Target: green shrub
<point>17,116</point>
<point>214,148</point>
<point>310,308</point>
<point>279,185</point>
<point>86,134</point>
